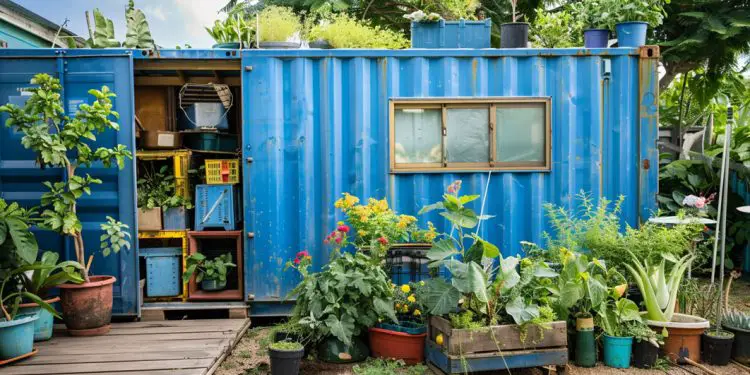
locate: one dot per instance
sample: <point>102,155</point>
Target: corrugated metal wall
<point>316,125</point>
<point>740,186</point>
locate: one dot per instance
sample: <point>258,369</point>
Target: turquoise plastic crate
<point>451,34</point>
<point>215,207</point>
<point>162,271</point>
<point>210,141</point>
<point>412,328</point>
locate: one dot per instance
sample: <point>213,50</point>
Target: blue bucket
<point>17,336</point>
<point>617,351</point>
<point>43,326</point>
<point>631,34</point>
<point>595,38</point>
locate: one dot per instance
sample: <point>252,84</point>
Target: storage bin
<point>175,218</point>
<point>210,141</point>
<point>162,271</point>
<point>222,171</point>
<point>160,140</point>
<point>149,219</point>
<point>408,263</point>
<point>451,34</point>
<point>203,115</point>
<point>215,207</point>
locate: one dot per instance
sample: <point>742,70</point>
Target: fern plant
<point>278,24</point>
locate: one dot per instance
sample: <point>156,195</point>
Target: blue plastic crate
<point>215,207</point>
<point>412,328</point>
<point>408,264</point>
<point>162,271</point>
<point>451,34</point>
<point>175,218</point>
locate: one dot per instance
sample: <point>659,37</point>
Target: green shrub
<point>277,24</point>
<point>343,31</point>
<point>286,346</point>
<point>555,30</point>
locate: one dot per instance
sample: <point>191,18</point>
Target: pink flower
<point>383,240</point>
<point>326,241</point>
<point>303,253</point>
<point>700,202</point>
<point>296,261</point>
<point>343,228</point>
<point>338,239</point>
<point>454,187</point>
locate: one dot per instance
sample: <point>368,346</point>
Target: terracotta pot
<point>87,307</point>
<point>386,343</point>
<point>684,336</point>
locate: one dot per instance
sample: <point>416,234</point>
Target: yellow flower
<point>421,283</point>
<point>401,225</point>
<point>620,289</point>
<point>417,312</point>
<point>412,299</point>
<point>398,306</point>
<point>362,232</point>
<point>382,205</point>
<point>439,339</point>
<point>363,219</point>
<point>406,309</point>
<point>405,288</point>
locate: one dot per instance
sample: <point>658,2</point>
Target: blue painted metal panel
<point>20,177</point>
<point>316,125</point>
<point>740,186</point>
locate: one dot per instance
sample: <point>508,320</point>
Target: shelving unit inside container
<point>188,128</point>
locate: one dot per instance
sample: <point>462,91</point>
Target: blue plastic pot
<point>631,34</point>
<point>617,351</point>
<point>44,325</point>
<point>595,38</point>
<point>17,336</point>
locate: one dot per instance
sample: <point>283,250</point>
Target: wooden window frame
<point>491,105</point>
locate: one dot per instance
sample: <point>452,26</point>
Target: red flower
<point>303,253</point>
<point>343,228</point>
<point>383,240</point>
<point>338,239</point>
<point>325,241</point>
<point>296,261</point>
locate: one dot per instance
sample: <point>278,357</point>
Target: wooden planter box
<point>495,347</point>
<point>149,219</point>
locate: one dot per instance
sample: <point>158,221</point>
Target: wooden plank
<point>229,323</point>
<point>192,64</point>
<point>120,357</point>
<point>177,81</point>
<point>170,330</point>
<point>195,371</point>
<point>83,347</point>
<point>496,338</point>
<point>142,338</point>
<point>117,367</point>
<point>235,341</point>
<point>494,361</point>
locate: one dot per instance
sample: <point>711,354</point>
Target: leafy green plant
<point>159,189</point>
<point>380,366</point>
<point>11,296</point>
<point>736,319</point>
<point>407,302</point>
<point>115,236</point>
<point>592,14</point>
<point>659,289</point>
<point>649,11</point>
<point>234,29</point>
<point>287,346</point>
<point>277,24</point>
<point>63,141</point>
<point>641,332</point>
<point>16,240</point>
<point>48,273</point>
<point>343,31</point>
<point>616,316</point>
<point>208,269</point>
<point>555,30</point>
<point>137,32</point>
<point>350,294</point>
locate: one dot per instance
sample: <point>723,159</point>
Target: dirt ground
<point>247,357</point>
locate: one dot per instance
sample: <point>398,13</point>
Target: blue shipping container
<point>316,125</point>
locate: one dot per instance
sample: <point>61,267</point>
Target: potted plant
<point>659,289</point>
<point>432,31</point>
<point>211,273</point>
<point>276,25</point>
<point>48,274</point>
<point>738,323</point>
<point>633,19</point>
<point>403,340</point>
<point>17,330</point>
<point>615,317</point>
<point>157,195</point>
<point>646,344</point>
<point>357,294</point>
<point>716,347</point>
<point>343,31</point>
<point>594,16</point>
<point>235,32</point>
<point>63,141</point>
<point>514,34</point>
<point>286,357</point>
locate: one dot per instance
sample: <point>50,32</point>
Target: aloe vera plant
<point>737,320</point>
<point>659,289</point>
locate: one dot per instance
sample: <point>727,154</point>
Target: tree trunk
<point>78,237</point>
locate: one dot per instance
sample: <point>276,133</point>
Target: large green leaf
<point>385,308</point>
<point>475,281</point>
<point>440,297</point>
<point>520,311</point>
<point>104,33</point>
<point>138,33</point>
<point>597,292</point>
<point>628,310</point>
<point>342,329</point>
<point>441,250</point>
<point>25,241</point>
<point>463,217</point>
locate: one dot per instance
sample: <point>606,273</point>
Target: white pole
<point>723,208</point>
<point>722,193</point>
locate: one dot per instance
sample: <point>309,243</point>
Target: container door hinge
<point>250,235</point>
<point>248,68</point>
<point>646,164</point>
<point>249,160</point>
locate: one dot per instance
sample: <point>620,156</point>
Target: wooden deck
<point>179,347</point>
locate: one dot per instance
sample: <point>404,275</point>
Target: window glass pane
<point>520,133</point>
<point>468,135</point>
<point>418,135</point>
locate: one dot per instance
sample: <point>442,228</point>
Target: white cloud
<point>156,12</point>
<point>197,14</point>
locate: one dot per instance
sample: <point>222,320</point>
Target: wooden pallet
<point>442,363</point>
<point>156,311</point>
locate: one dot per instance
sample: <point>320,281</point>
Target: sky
<point>172,22</point>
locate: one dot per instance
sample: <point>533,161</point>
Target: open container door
<point>21,178</point>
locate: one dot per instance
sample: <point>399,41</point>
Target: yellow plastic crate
<point>222,171</point>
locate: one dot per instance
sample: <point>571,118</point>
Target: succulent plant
<point>736,319</point>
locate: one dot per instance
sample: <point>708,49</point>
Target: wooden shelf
<point>195,293</point>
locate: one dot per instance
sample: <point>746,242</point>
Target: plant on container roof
<point>593,14</point>
<point>235,29</point>
<point>555,30</point>
<point>343,31</point>
<point>277,24</point>
<point>421,16</point>
<point>649,11</point>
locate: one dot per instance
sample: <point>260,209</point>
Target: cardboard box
<point>149,219</point>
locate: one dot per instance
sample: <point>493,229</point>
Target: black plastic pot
<point>514,35</point>
<point>279,45</point>
<point>285,362</point>
<point>634,294</point>
<point>644,354</point>
<point>320,44</point>
<point>716,349</point>
<point>287,336</point>
<point>741,345</point>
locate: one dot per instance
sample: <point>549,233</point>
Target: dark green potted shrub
<point>615,317</point>
<point>514,34</point>
<point>158,190</point>
<point>738,323</point>
<point>235,32</point>
<point>286,357</point>
<point>64,142</point>
<point>646,344</point>
<point>594,16</point>
<point>633,19</point>
<point>276,25</point>
<point>210,273</point>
